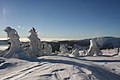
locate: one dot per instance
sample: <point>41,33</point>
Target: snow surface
<point>61,68</point>
<point>3,47</point>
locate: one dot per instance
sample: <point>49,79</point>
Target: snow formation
<point>15,49</point>
<point>47,48</point>
<point>93,49</point>
<point>35,49</point>
<point>63,49</point>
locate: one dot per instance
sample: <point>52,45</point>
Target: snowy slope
<point>59,68</point>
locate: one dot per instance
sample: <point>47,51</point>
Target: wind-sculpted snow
<point>54,68</point>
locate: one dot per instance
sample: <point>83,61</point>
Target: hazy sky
<point>69,19</point>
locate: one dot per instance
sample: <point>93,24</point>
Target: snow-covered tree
<point>75,53</point>
<point>47,48</point>
<point>35,49</point>
<point>93,49</point>
<point>15,49</point>
<point>63,49</point>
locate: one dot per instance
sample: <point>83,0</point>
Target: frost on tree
<point>35,49</point>
<point>82,53</point>
<point>63,49</point>
<point>93,49</point>
<point>75,53</point>
<point>47,48</point>
<point>16,50</point>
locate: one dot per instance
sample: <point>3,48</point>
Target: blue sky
<point>69,19</point>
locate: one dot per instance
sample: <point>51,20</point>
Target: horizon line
<point>25,39</point>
